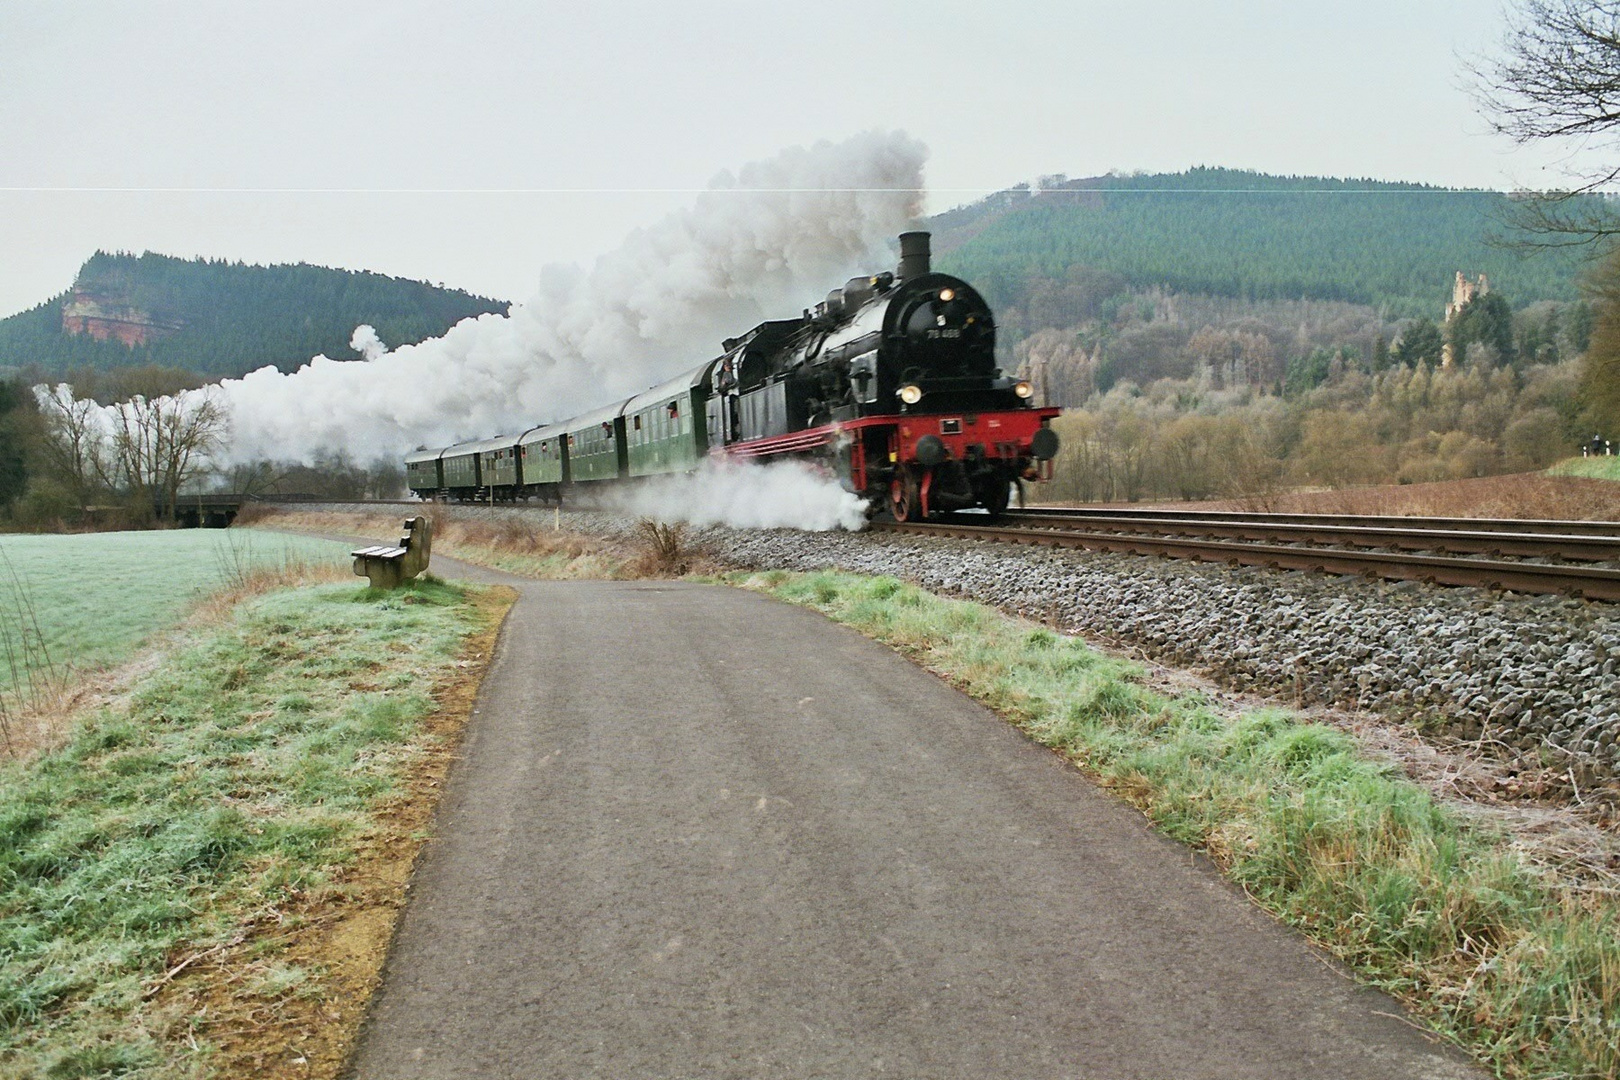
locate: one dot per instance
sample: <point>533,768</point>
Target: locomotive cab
<point>892,383</point>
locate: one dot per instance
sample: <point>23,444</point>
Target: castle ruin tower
<point>1463,293</point>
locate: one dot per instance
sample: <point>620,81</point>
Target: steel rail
<point>1596,583</point>
<point>1509,525</point>
<point>1583,548</point>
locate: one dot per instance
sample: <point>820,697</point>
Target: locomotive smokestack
<point>914,255</point>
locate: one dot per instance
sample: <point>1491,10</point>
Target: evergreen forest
<point>233,317</point>
<point>1219,332</point>
<point>1246,236</point>
<point>1209,333</point>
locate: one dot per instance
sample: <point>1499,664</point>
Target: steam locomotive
<point>890,383</point>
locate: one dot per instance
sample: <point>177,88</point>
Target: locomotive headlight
<point>947,295</point>
<point>1023,389</point>
<point>910,393</point>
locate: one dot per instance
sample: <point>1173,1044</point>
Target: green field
<point>1598,468</point>
<point>89,600</point>
<point>221,803</point>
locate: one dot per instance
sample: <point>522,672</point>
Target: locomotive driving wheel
<point>905,501</point>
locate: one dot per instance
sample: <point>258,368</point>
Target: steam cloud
<point>761,244</point>
<point>366,342</point>
<point>746,495</point>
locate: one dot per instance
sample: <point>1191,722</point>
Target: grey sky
<point>472,143</point>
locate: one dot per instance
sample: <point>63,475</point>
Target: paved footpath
<point>697,833</point>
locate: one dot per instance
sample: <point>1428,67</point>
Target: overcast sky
<point>471,143</point>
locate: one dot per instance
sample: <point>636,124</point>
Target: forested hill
<point>222,318</point>
<point>1225,232</point>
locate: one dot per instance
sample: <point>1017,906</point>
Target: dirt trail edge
<point>697,833</point>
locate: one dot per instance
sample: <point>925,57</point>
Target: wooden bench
<point>390,567</point>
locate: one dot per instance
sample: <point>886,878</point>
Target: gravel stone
<point>1522,671</point>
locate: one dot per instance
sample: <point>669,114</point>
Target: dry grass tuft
<point>513,536</point>
<point>664,551</point>
<point>36,685</point>
<point>246,582</point>
<point>252,512</point>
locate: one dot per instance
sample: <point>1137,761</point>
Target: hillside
<point>222,318</point>
<point>1070,253</point>
<point>1248,236</point>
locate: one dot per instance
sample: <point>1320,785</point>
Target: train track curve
<point>1574,558</point>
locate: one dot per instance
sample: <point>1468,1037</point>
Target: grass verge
<point>1521,971</point>
<point>510,545</point>
<point>1597,468</point>
<point>1518,966</point>
<point>202,879</point>
<point>87,600</point>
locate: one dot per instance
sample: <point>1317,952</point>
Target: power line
<point>1032,193</point>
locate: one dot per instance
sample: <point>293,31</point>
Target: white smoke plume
<point>366,342</point>
<point>758,245</point>
<point>746,495</point>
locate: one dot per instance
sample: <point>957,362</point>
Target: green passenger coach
<point>422,470</point>
<point>543,458</point>
<point>665,428</point>
<point>596,448</point>
<point>498,460</point>
<point>461,468</point>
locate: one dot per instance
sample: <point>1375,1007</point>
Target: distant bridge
<point>217,510</point>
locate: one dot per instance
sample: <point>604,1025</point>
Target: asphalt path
<point>698,833</point>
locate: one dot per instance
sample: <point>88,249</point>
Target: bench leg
<point>382,573</point>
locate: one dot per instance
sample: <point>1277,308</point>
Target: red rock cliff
<point>107,319</point>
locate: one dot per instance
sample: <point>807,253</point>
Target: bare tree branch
<point>1560,77</point>
<point>74,443</point>
<point>1558,80</point>
<point>161,442</point>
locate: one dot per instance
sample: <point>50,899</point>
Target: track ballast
<point>1572,558</point>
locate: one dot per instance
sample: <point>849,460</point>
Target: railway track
<point>1571,558</point>
<point>1574,558</point>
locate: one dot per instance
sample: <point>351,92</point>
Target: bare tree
<point>1187,456</point>
<point>1559,81</point>
<point>74,446</point>
<point>160,443</point>
<point>255,478</point>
